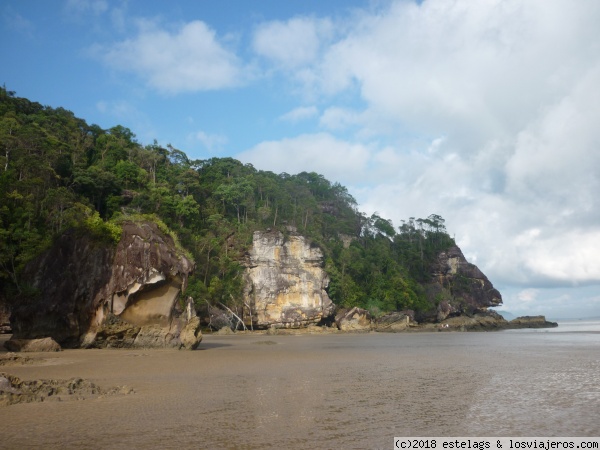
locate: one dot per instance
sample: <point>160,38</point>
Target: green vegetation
<point>57,172</point>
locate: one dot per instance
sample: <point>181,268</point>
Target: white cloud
<point>335,159</point>
<point>442,66</point>
<point>291,44</point>
<point>528,295</point>
<point>212,142</point>
<point>299,114</point>
<point>188,59</point>
<point>336,118</point>
<point>489,111</point>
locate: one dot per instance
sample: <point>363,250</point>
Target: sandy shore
<point>328,391</point>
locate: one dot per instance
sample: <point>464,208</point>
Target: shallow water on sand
<point>319,391</point>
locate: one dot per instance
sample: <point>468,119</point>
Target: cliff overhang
<point>84,288</point>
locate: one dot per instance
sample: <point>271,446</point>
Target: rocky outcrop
<point>481,321</point>
<point>531,322</point>
<point>32,345</point>
<point>394,322</point>
<point>93,294</point>
<point>355,319</point>
<point>13,390</point>
<point>285,282</point>
<point>458,288</point>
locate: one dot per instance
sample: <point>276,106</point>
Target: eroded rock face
<point>459,287</point>
<point>285,282</point>
<point>85,287</point>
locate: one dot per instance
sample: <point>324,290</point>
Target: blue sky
<point>483,112</point>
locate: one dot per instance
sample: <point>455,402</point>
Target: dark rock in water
<point>89,289</point>
<point>355,319</point>
<point>481,321</point>
<point>32,345</point>
<point>531,322</point>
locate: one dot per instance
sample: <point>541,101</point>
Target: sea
<point>329,391</point>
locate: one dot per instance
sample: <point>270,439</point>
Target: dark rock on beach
<point>531,322</point>
<point>394,322</point>
<point>457,287</point>
<point>91,293</point>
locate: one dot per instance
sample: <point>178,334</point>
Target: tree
<point>234,193</point>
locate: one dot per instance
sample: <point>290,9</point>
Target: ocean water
<point>321,391</point>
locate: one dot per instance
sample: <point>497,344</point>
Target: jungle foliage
<point>58,172</point>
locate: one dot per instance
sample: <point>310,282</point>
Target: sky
<point>485,112</point>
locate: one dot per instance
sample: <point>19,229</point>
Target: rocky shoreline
<point>92,294</point>
<point>358,320</point>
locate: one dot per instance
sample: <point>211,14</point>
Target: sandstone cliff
<point>285,282</point>
<point>94,294</point>
<point>458,287</point>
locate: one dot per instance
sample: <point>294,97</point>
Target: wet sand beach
<point>317,391</point>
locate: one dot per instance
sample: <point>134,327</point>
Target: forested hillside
<point>57,172</point>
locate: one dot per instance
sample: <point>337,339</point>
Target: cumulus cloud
<point>489,110</point>
<point>321,152</point>
<point>188,59</point>
<point>443,66</point>
<point>293,43</point>
<point>336,118</point>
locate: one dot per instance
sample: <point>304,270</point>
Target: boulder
<point>32,345</point>
<point>393,322</point>
<point>285,282</point>
<point>355,319</point>
<point>94,294</point>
